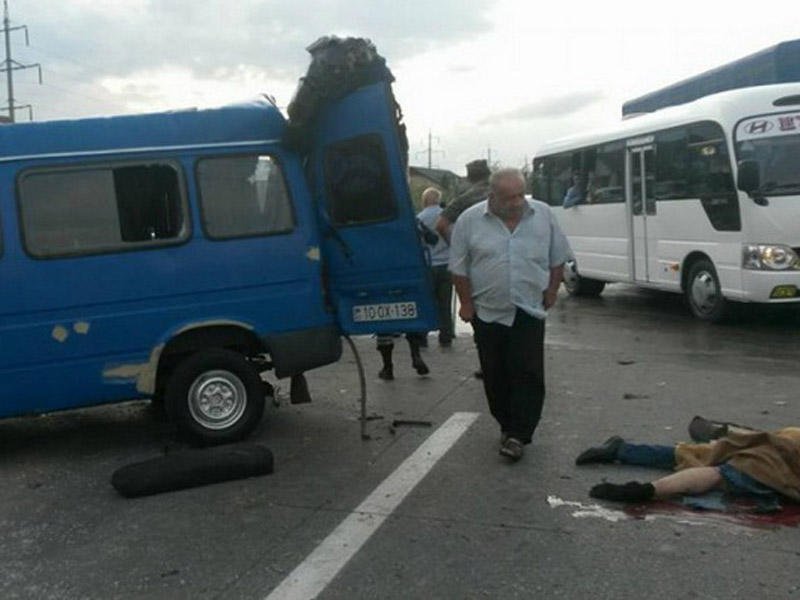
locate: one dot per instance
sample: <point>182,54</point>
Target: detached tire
<point>704,294</point>
<point>581,286</point>
<point>215,396</point>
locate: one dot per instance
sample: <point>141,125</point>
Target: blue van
<point>180,255</point>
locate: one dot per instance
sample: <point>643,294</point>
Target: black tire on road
<point>703,292</point>
<point>215,396</point>
<point>581,286</point>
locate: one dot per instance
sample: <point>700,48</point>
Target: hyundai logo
<point>759,126</point>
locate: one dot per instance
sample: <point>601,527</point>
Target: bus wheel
<point>215,396</point>
<point>580,286</point>
<point>703,293</point>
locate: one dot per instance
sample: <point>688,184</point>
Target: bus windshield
<point>777,152</point>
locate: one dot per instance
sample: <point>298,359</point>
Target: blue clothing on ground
<point>663,457</point>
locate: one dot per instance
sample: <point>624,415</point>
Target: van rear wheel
<point>580,286</point>
<point>215,396</point>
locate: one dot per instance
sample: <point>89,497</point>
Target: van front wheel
<point>215,396</point>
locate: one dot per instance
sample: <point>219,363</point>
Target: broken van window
<point>104,208</point>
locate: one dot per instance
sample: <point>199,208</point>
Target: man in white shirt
<point>506,258</point>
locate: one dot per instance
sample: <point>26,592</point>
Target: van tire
<point>215,396</point>
<point>703,292</point>
<point>581,286</point>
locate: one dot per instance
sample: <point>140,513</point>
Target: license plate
<point>387,311</point>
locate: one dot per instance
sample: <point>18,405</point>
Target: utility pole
<point>430,151</point>
<point>11,65</point>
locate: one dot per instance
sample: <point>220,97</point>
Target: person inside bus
<point>576,193</point>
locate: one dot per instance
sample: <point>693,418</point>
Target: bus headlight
<point>769,257</point>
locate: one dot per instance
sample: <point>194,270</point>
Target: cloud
<point>98,47</point>
<point>560,106</point>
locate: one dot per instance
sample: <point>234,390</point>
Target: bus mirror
<point>748,179</point>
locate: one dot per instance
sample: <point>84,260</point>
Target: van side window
<point>357,176</point>
<point>91,210</point>
<point>243,196</point>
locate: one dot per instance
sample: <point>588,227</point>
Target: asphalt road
<point>631,362</point>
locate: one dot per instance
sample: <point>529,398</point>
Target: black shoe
<point>512,448</point>
<point>445,342</point>
<point>703,430</point>
<point>478,374</point>
<point>419,365</point>
<point>387,374</point>
<point>633,491</point>
<point>606,453</point>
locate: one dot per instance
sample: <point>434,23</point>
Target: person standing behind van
<point>507,258</point>
<point>439,256</point>
<point>478,176</point>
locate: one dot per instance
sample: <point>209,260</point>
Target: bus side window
<point>609,174</point>
<point>539,181</point>
<point>560,177</point>
<point>710,166</point>
<point>671,165</point>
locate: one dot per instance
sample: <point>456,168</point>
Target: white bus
<point>701,198</point>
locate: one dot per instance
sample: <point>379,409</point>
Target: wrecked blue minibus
<point>182,255</point>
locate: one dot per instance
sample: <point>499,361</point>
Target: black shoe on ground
<point>512,448</point>
<point>633,491</point>
<point>606,453</point>
<point>387,373</point>
<point>419,365</point>
<point>478,374</point>
<point>445,342</point>
<point>703,430</point>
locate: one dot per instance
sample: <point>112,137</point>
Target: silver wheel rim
<point>705,294</point>
<point>570,275</point>
<point>217,399</point>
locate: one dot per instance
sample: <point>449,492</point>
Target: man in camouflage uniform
<point>478,176</point>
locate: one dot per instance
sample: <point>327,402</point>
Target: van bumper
<point>294,352</point>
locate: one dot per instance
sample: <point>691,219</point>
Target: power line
<point>11,65</point>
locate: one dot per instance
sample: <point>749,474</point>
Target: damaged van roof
<point>256,121</point>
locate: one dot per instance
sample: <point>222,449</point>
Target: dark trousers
<point>512,360</point>
<point>443,292</point>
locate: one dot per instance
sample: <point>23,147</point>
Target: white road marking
<point>314,574</point>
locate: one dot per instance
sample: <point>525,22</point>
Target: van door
<point>641,204</point>
<point>378,279</point>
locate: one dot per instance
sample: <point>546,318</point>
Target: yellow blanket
<point>772,458</point>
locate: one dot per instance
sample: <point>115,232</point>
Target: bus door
<point>641,201</point>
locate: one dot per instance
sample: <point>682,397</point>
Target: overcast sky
<point>496,77</point>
